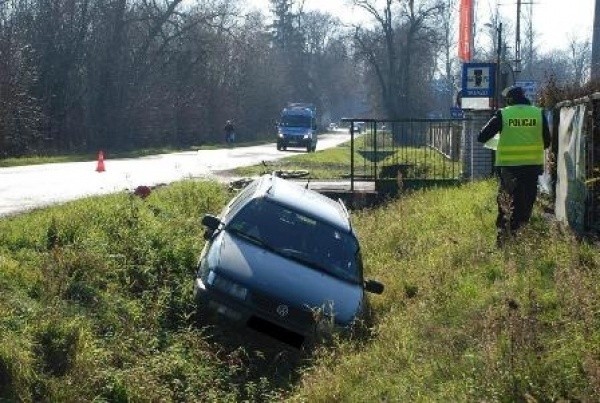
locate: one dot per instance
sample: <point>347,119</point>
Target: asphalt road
<point>28,187</point>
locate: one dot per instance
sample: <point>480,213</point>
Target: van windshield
<point>296,236</point>
<point>295,121</point>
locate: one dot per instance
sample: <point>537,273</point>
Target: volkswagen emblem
<point>282,310</point>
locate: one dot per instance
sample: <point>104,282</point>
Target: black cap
<point>514,95</point>
<point>513,92</point>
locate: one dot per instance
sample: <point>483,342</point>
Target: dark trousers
<point>516,195</point>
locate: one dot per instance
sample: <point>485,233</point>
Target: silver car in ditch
<point>278,258</point>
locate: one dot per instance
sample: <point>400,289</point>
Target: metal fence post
<point>352,155</point>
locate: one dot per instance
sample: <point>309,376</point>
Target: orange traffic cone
<point>100,167</point>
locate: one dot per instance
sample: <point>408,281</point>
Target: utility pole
<point>498,62</point>
<point>517,69</point>
<point>596,43</point>
<point>530,50</point>
<point>518,59</point>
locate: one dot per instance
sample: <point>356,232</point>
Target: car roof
<point>307,201</point>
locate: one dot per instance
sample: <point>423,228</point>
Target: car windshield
<point>295,121</point>
<point>298,237</point>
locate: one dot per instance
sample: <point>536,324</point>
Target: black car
<point>281,259</point>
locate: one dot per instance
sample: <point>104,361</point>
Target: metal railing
<point>405,150</point>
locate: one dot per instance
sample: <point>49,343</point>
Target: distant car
<point>358,127</point>
<point>298,127</point>
<point>333,126</point>
<point>279,259</point>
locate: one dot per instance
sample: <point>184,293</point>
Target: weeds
<point>463,321</point>
<point>96,303</point>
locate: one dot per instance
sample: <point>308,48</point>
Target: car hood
<point>287,280</point>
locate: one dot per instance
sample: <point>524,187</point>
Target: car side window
<point>233,207</point>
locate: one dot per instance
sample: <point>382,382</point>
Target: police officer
<point>523,136</point>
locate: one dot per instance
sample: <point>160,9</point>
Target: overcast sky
<point>553,20</point>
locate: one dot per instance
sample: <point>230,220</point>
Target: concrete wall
<point>477,160</point>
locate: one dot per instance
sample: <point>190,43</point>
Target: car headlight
<point>306,136</point>
<point>280,135</point>
<point>222,284</point>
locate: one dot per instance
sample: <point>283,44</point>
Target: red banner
<point>465,33</point>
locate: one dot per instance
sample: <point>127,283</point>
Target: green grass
<point>335,164</point>
<point>330,164</point>
<point>96,304</point>
<point>463,321</point>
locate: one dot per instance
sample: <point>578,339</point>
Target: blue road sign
<point>478,80</point>
<point>456,112</point>
<point>530,87</point>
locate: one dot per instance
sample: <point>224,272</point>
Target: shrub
<point>56,343</point>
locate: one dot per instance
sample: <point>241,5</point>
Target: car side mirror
<point>211,223</point>
<point>373,286</point>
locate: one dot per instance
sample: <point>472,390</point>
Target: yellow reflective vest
<point>521,140</point>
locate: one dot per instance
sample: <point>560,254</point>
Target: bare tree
<point>405,29</point>
<point>447,61</point>
<point>378,48</point>
<point>332,69</point>
<point>531,49</point>
<point>554,64</point>
<point>580,57</point>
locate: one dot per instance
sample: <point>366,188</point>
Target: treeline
<point>79,75</point>
<point>83,75</point>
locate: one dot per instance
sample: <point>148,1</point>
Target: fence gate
<point>410,153</point>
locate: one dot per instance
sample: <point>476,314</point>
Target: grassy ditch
<point>96,305</point>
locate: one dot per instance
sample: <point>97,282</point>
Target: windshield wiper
<point>249,237</point>
<point>296,256</point>
<point>255,240</point>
